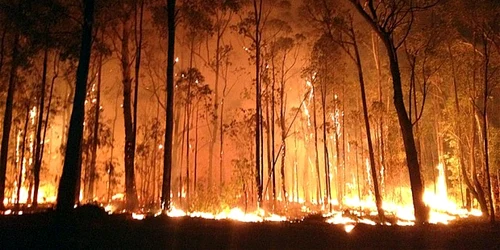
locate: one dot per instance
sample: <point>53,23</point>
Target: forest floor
<point>84,230</point>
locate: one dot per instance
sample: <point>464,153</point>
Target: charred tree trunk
<point>67,191</point>
<point>169,124</point>
<point>7,119</point>
<point>421,210</point>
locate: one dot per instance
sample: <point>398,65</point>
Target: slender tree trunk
<point>188,137</point>
<point>283,134</point>
<point>38,141</point>
<point>7,119</point>
<point>196,147</point>
<point>272,125</point>
<point>138,52</point>
<point>381,118</point>
<point>477,184</point>
<point>67,191</point>
<point>221,127</point>
<point>326,158</point>
<point>95,141</point>
<point>270,156</point>
<point>129,161</point>
<point>155,148</point>
<point>420,209</point>
<point>340,170</point>
<point>378,197</point>
<point>485,128</point>
<point>319,194</point>
<point>475,130</point>
<point>167,156</point>
<point>257,6</point>
<point>23,148</point>
<point>215,123</point>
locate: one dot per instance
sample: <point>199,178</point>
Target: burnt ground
<point>100,231</point>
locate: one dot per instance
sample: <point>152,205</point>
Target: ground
<point>100,231</point>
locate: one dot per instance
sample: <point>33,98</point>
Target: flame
<point>348,228</point>
<point>235,214</point>
<point>136,216</point>
<point>46,195</point>
<point>174,212</point>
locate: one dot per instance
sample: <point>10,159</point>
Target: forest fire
<point>294,117</point>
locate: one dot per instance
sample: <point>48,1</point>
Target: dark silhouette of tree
<point>67,192</point>
<point>169,125</point>
<point>392,21</point>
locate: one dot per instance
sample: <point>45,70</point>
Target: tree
<point>169,124</point>
<point>390,18</point>
<point>252,27</point>
<point>7,120</point>
<point>67,192</point>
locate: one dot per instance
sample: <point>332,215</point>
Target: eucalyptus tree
<point>31,30</point>
<point>67,192</point>
<point>392,21</point>
<point>169,124</point>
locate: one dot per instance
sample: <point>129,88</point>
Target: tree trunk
<point>169,124</point>
<point>95,141</point>
<point>23,148</point>
<point>340,170</point>
<point>477,184</point>
<point>215,122</point>
<point>270,155</point>
<point>257,6</point>
<point>326,158</point>
<point>420,209</point>
<point>485,128</point>
<point>129,161</point>
<point>66,194</point>
<point>272,125</point>
<point>319,195</point>
<point>378,197</point>
<point>38,141</point>
<point>7,119</point>
<point>196,148</point>
<point>381,118</point>
<point>283,134</point>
